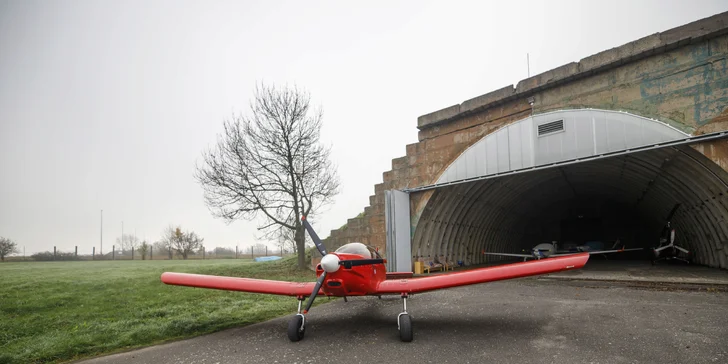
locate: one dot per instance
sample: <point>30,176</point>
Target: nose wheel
<point>297,325</point>
<point>296,328</point>
<point>404,322</point>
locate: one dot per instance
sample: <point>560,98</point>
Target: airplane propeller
<point>316,288</point>
<point>319,244</point>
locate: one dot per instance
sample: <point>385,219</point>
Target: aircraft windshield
<point>356,248</point>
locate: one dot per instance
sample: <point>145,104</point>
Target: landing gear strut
<point>404,322</point>
<point>297,325</point>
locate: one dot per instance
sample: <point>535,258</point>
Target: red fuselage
<point>355,281</point>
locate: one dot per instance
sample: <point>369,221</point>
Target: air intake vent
<point>551,127</point>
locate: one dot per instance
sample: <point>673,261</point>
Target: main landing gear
<point>404,322</point>
<point>297,325</point>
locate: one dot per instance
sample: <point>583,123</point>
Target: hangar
<point>569,176</point>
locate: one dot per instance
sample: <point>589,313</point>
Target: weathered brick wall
<point>679,76</point>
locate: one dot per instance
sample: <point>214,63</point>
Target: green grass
<point>59,311</point>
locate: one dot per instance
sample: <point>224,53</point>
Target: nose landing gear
<point>297,325</point>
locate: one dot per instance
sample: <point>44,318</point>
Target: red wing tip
<point>303,217</point>
<point>305,311</point>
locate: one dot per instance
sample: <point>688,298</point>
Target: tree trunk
<point>301,245</point>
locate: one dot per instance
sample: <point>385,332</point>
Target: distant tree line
<point>48,256</point>
<point>174,242</point>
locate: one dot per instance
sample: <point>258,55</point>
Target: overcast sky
<point>108,105</point>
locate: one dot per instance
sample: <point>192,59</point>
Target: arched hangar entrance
<point>572,176</point>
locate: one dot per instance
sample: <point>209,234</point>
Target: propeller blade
<point>315,291</point>
<point>356,262</point>
<point>314,237</point>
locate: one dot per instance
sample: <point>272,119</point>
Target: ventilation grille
<point>551,127</point>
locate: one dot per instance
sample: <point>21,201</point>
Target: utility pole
<point>102,232</point>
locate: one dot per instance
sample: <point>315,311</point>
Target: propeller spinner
<point>330,263</point>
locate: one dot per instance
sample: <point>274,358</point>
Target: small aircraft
<point>355,270</point>
<point>667,249</point>
<point>548,250</point>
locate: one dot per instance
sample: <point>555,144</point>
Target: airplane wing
<point>482,275</point>
<point>239,284</point>
<point>598,252</point>
<point>510,255</point>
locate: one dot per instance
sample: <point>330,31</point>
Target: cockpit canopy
<point>359,249</point>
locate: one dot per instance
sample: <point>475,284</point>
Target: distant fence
<point>151,254</point>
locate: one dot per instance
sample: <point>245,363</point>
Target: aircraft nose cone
<point>330,263</point>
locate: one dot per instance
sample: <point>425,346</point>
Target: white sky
<point>108,105</point>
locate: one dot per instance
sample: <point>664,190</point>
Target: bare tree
<point>7,247</point>
<point>144,249</point>
<point>259,248</point>
<point>183,243</point>
<point>271,163</point>
<point>163,246</point>
<point>189,244</point>
<point>223,251</point>
<point>126,242</point>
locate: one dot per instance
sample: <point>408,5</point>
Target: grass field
<point>59,311</point>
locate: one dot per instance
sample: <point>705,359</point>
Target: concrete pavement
<point>519,321</point>
<point>642,271</point>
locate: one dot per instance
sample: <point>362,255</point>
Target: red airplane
<point>356,270</point>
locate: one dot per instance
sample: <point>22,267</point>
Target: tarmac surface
<point>531,320</point>
<point>640,271</point>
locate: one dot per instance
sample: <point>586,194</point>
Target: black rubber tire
<point>405,328</point>
<point>294,329</point>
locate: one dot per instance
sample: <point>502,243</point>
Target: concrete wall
<point>679,76</point>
